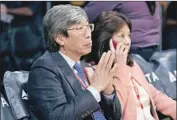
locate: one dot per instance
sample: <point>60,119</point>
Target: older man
<point>59,88</point>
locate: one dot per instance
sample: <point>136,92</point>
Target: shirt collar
<point>70,62</point>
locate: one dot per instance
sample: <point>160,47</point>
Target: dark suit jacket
<point>55,93</point>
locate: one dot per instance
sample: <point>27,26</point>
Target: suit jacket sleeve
<point>111,108</point>
<point>47,95</point>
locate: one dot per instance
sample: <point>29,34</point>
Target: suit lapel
<point>67,72</point>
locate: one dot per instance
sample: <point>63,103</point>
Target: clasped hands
<point>102,78</point>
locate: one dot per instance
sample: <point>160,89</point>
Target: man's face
<point>79,40</point>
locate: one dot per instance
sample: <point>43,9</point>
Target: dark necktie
<point>98,115</point>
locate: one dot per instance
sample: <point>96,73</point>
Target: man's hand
<point>109,89</point>
<point>102,77</point>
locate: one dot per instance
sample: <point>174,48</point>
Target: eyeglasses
<point>84,27</point>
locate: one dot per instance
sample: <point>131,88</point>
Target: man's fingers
<point>111,61</point>
<point>101,61</point>
<point>89,73</point>
<point>106,59</point>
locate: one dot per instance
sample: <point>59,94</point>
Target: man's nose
<point>87,31</point>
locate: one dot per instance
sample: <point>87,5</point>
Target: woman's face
<point>122,36</point>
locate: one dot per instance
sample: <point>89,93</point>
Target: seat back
<point>6,111</point>
<point>167,58</point>
<point>160,71</point>
<point>15,84</point>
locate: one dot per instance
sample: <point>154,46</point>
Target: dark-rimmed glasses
<point>89,26</point>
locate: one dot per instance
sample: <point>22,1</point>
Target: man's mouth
<point>89,45</point>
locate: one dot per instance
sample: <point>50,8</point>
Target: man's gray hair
<point>57,20</point>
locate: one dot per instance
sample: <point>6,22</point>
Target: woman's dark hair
<point>152,6</point>
<point>106,24</point>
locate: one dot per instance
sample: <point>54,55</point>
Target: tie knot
<point>80,72</point>
<point>77,66</point>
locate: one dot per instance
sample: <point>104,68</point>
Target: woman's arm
<point>121,82</point>
<point>163,103</point>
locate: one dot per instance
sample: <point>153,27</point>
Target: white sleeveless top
<point>142,114</point>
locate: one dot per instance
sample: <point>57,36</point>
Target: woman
<point>139,99</point>
<point>145,18</point>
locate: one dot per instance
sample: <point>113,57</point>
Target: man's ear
<point>60,39</point>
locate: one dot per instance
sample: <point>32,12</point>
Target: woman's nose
<point>127,40</point>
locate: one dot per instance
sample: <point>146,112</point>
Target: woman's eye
<point>122,36</point>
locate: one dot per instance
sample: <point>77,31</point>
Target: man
<point>58,88</point>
